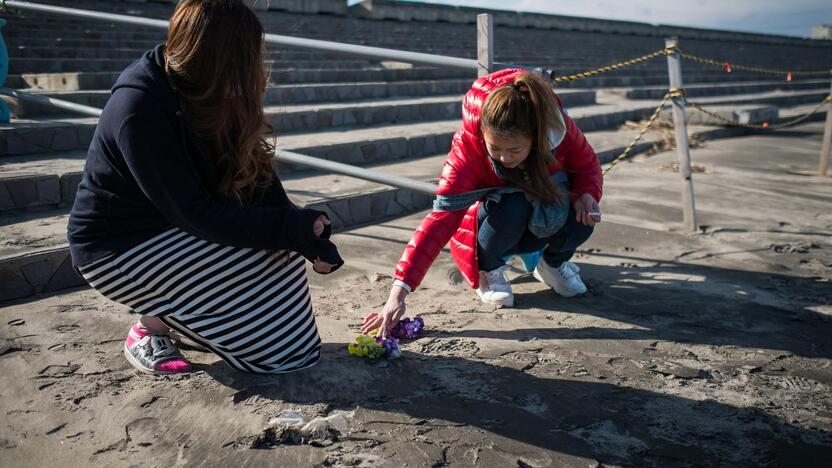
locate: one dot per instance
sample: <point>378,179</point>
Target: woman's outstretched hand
<point>393,311</point>
<point>587,210</point>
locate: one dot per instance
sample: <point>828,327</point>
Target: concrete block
<point>6,200</point>
<point>69,187</point>
<point>341,207</point>
<point>379,203</point>
<point>64,276</point>
<point>13,285</point>
<point>65,139</point>
<point>30,191</point>
<point>360,208</point>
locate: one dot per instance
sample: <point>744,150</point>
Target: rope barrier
<point>679,93</point>
<point>727,66</point>
<point>730,67</point>
<point>764,125</point>
<point>613,67</point>
<point>624,154</point>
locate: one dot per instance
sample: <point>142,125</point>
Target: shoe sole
<point>540,278</point>
<point>509,303</point>
<point>138,365</point>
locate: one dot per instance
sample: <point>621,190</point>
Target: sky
<point>792,18</point>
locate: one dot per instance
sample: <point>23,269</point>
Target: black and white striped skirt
<point>251,307</point>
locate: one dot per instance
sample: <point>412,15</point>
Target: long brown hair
<point>527,107</point>
<point>214,60</point>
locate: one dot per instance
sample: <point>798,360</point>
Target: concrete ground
<point>689,350</point>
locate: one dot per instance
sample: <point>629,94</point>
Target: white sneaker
<point>565,280</point>
<point>495,288</point>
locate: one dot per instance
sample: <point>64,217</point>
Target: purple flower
<point>391,348</point>
<point>409,328</point>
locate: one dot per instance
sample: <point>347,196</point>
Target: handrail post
<point>485,44</point>
<point>826,147</point>
<point>674,69</point>
<point>5,115</point>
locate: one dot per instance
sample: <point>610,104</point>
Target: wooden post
<point>826,147</point>
<point>485,44</point>
<point>674,68</point>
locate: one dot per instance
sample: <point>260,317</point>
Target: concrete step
<point>50,179</point>
<point>39,65</point>
<point>754,114</point>
<point>16,37</point>
<point>780,98</point>
<point>34,253</point>
<point>75,81</point>
<point>718,89</point>
<point>310,117</point>
<point>28,137</point>
<point>106,51</point>
<point>88,81</point>
<point>332,92</point>
<point>25,136</point>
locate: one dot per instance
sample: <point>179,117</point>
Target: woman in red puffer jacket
<point>520,178</point>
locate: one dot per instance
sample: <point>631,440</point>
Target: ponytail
<point>527,107</point>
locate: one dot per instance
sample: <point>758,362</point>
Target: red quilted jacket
<point>467,168</point>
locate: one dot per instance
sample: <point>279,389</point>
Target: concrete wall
<point>405,11</point>
<point>327,7</point>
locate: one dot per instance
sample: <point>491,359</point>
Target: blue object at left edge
<point>4,73</point>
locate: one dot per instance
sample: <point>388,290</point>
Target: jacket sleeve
<point>460,174</point>
<point>580,162</point>
<point>153,152</point>
<point>323,248</point>
<point>275,196</point>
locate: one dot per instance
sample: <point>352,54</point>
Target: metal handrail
<point>357,172</point>
<point>289,41</point>
<point>48,101</point>
<point>282,155</point>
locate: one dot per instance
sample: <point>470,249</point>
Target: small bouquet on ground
<point>408,328</point>
<point>375,347</point>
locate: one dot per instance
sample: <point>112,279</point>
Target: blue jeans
<point>503,231</point>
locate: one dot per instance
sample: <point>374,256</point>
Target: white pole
<point>485,44</point>
<point>827,137</point>
<point>674,68</point>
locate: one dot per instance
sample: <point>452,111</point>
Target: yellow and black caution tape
<point>730,67</point>
<point>621,157</point>
<point>614,66</point>
<point>764,125</point>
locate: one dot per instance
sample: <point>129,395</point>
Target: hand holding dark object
<point>320,225</point>
<point>587,210</point>
<point>321,266</point>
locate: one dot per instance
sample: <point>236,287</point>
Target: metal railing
<point>282,155</point>
<point>277,39</point>
<point>48,101</point>
<point>304,43</point>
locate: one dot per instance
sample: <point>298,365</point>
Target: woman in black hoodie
<point>180,214</point>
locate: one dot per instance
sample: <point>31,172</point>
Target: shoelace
<point>492,275</point>
<point>566,271</point>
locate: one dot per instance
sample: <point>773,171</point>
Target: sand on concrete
<point>688,350</point>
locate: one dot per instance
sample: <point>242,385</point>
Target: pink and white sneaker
<point>153,354</point>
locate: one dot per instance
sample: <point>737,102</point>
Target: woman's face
<point>508,150</point>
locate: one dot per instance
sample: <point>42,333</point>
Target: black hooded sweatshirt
<point>144,173</point>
